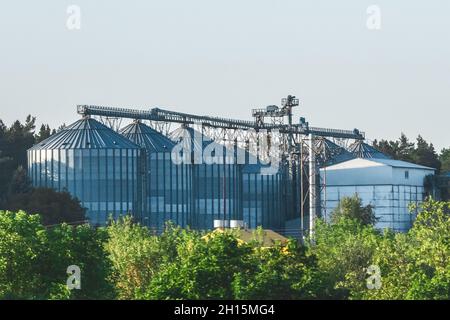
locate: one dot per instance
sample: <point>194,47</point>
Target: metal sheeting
<point>85,134</point>
<point>147,137</point>
<point>216,179</point>
<point>167,185</point>
<point>263,202</point>
<point>362,150</point>
<point>330,153</point>
<point>391,203</point>
<point>228,190</point>
<point>95,164</point>
<point>217,194</point>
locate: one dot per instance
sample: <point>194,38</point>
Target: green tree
<point>425,155</point>
<point>405,150</point>
<point>14,141</point>
<point>401,149</point>
<point>23,244</point>
<point>284,271</point>
<point>20,182</point>
<point>82,246</point>
<point>34,259</point>
<point>44,133</point>
<point>352,208</point>
<point>135,256</point>
<point>389,148</point>
<point>416,265</point>
<point>444,158</point>
<point>344,251</point>
<point>54,207</point>
<point>204,269</point>
<point>19,138</point>
<point>421,152</point>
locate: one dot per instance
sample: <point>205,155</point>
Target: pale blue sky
<point>226,57</point>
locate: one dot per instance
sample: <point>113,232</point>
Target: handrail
<point>157,114</point>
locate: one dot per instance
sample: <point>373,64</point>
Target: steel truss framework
<point>303,149</point>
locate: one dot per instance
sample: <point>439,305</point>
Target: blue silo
<point>238,188</point>
<point>167,191</point>
<point>216,178</point>
<point>93,163</point>
<point>264,196</point>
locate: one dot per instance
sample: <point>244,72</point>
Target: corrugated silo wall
<point>263,201</point>
<point>106,181</point>
<point>169,192</point>
<point>217,194</point>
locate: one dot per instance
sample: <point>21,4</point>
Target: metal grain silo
<point>216,179</point>
<point>93,163</point>
<point>264,197</point>
<point>167,192</point>
<point>360,149</point>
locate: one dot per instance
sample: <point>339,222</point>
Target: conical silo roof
<point>86,133</point>
<point>362,150</point>
<point>147,137</point>
<point>331,153</point>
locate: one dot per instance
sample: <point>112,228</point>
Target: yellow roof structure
<point>268,239</point>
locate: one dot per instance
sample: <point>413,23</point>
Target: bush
<point>34,259</point>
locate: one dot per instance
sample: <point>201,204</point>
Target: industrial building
<point>196,177</point>
<point>390,186</point>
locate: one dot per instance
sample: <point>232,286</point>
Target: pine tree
<point>405,149</point>
<point>20,182</point>
<point>445,160</point>
<point>425,154</point>
<point>44,133</point>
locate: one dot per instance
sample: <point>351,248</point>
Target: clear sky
<point>225,57</point>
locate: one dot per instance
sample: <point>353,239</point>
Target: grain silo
<point>230,183</point>
<point>167,186</point>
<point>93,163</point>
<point>216,178</point>
<point>360,149</point>
<point>264,194</point>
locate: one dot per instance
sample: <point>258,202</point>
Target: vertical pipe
<point>312,187</point>
<point>224,193</point>
<point>325,192</point>
<point>302,200</point>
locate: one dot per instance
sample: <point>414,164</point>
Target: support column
<point>312,187</point>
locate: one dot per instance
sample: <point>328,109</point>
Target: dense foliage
<point>53,207</point>
<point>16,191</point>
<point>421,152</point>
<point>126,261</point>
<point>34,259</point>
